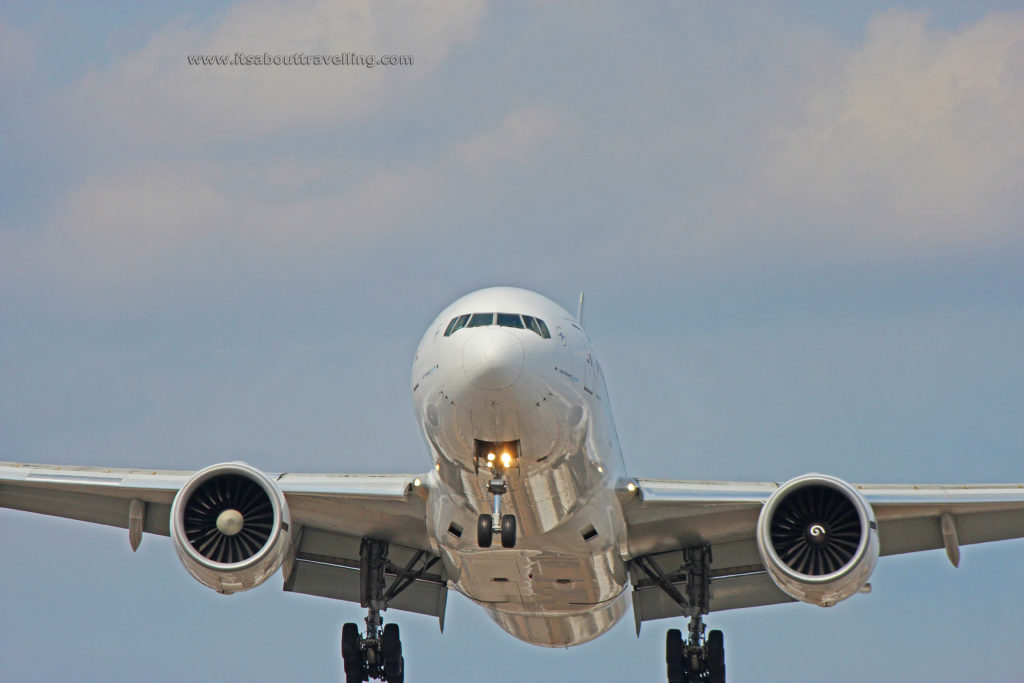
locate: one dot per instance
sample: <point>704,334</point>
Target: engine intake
<point>818,539</point>
<point>230,527</point>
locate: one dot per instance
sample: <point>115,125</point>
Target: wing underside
<point>333,515</point>
<point>668,521</point>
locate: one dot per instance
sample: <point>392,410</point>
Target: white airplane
<point>515,413</point>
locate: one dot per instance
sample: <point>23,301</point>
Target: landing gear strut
<point>496,523</point>
<point>488,460</point>
<point>698,659</point>
<point>378,653</point>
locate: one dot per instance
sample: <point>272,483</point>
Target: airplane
<point>527,510</point>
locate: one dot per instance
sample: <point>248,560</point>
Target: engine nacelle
<point>230,527</point>
<point>818,538</point>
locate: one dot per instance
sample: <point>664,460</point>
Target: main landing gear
<point>696,659</point>
<point>692,660</point>
<point>497,523</point>
<point>378,653</point>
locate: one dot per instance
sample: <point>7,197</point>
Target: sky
<point>798,226</point>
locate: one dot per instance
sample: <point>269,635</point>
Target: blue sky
<point>798,227</point>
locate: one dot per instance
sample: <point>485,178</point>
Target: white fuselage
<point>498,383</point>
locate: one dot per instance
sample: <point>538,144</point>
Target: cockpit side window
<point>456,324</point>
<point>481,320</point>
<point>510,320</point>
<point>537,325</point>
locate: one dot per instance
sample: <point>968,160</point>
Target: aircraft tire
<point>484,531</point>
<point>674,655</point>
<point>716,657</point>
<point>391,651</point>
<point>508,531</point>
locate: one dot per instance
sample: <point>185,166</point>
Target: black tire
<point>391,643</point>
<point>400,676</point>
<point>355,667</point>
<point>484,531</point>
<point>391,651</point>
<point>674,655</point>
<point>508,531</point>
<point>350,642</point>
<point>716,657</point>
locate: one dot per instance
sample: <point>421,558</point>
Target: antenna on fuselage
<point>579,310</point>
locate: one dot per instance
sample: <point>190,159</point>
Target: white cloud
<point>916,144</point>
<point>159,223</point>
<point>154,95</point>
<point>519,137</point>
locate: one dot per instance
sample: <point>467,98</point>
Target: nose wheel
<point>496,523</point>
<point>486,528</point>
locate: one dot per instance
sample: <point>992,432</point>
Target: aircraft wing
<point>331,515</point>
<point>665,517</point>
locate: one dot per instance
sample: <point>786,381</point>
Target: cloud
<point>165,223</point>
<point>155,96</point>
<point>704,157</point>
<point>915,144</point>
<point>519,137</point>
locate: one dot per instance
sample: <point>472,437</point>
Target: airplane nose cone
<point>492,358</point>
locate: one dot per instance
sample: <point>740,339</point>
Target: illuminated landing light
<point>506,459</point>
<point>600,469</point>
<point>437,466</point>
<point>490,465</point>
<point>416,481</point>
<point>631,487</point>
<point>490,457</point>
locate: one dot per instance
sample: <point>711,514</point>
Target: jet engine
<point>818,538</point>
<point>230,527</point>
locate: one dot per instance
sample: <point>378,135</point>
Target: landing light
<point>506,459</point>
<point>631,487</point>
<point>437,466</point>
<point>490,457</point>
<point>416,481</point>
<point>600,469</point>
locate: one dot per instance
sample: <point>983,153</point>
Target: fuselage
<point>508,367</point>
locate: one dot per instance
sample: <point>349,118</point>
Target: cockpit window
<point>481,320</point>
<point>456,324</point>
<point>537,325</point>
<point>521,322</point>
<point>510,320</point>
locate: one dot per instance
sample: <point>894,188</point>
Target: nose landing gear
<point>497,523</point>
<point>489,460</point>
